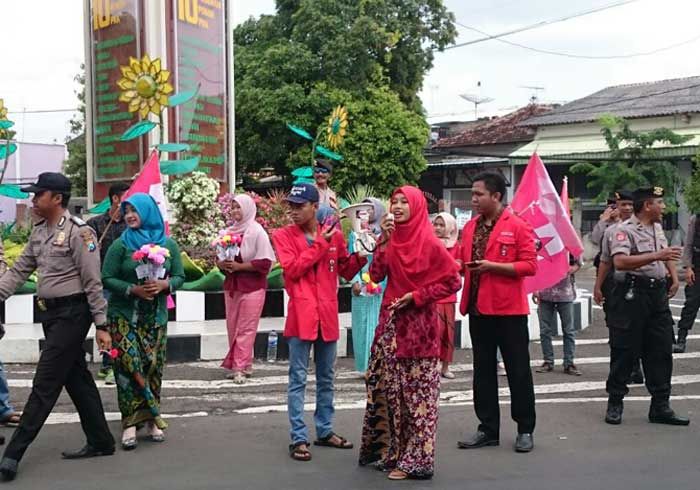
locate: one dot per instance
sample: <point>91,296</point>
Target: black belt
<point>643,282</point>
<point>53,303</point>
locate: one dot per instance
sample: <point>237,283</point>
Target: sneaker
<point>103,372</point>
<point>501,369</point>
<point>109,379</point>
<point>572,370</point>
<point>546,367</point>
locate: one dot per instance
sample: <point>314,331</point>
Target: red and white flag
<point>537,202</point>
<point>149,182</point>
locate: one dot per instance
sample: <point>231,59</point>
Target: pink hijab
<point>450,228</point>
<point>256,244</point>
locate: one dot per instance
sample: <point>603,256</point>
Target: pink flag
<point>565,195</point>
<point>537,202</point>
<point>149,182</point>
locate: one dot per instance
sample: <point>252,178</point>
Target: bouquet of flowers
<point>369,287</point>
<point>227,245</point>
<point>151,258</point>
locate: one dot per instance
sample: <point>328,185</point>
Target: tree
<point>295,66</point>
<point>75,166</point>
<point>634,162</point>
<point>691,189</point>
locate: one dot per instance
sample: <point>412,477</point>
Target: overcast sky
<point>44,49</point>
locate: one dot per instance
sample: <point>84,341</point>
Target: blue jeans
<point>5,407</point>
<point>324,357</point>
<point>548,328</point>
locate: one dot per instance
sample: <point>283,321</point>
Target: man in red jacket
<point>498,251</point>
<point>312,257</point>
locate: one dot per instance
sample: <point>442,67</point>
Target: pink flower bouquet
<point>227,245</point>
<point>151,258</point>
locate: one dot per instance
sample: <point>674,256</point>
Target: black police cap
<point>624,195</point>
<point>648,193</point>
<point>50,181</point>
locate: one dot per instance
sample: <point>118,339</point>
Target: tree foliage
<point>295,66</point>
<point>691,189</point>
<point>633,161</point>
<point>75,166</point>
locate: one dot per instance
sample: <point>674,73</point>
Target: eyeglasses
<point>321,170</point>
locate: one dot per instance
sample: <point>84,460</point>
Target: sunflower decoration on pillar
<point>337,127</point>
<point>335,131</point>
<point>145,86</point>
<point>146,89</point>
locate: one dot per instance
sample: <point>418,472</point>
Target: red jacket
<point>512,240</point>
<point>311,280</point>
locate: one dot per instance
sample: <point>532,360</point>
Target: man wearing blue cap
<point>312,256</point>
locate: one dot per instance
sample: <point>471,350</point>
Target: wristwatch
<point>104,327</point>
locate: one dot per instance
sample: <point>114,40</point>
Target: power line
<point>541,24</point>
<point>580,56</point>
<point>43,111</point>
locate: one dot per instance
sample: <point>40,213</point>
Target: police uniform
<point>67,261</point>
<point>637,376</point>
<point>640,319</point>
<point>691,259</point>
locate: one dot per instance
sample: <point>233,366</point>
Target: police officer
<point>63,250</point>
<point>624,205</point>
<point>638,312</point>
<point>691,261</point>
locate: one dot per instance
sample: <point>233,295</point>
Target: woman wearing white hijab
<point>445,226</point>
<point>245,286</point>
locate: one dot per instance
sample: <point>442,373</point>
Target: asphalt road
<point>227,436</point>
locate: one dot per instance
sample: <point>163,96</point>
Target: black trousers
<point>62,363</point>
<point>691,306</point>
<point>641,327</point>
<point>510,334</point>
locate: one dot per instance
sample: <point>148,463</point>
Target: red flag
<point>149,182</point>
<point>537,202</point>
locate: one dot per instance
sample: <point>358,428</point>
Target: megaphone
<point>358,214</point>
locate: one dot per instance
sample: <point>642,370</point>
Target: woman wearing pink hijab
<point>244,288</point>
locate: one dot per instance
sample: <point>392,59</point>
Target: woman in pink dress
<point>244,287</point>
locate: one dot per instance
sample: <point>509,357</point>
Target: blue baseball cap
<point>303,193</point>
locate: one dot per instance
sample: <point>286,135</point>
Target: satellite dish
<point>476,100</point>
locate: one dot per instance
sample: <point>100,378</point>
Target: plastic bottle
<point>272,346</point>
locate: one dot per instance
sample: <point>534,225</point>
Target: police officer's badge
<point>658,191</point>
<point>88,240</point>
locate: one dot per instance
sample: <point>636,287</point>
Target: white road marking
<point>456,398</point>
<point>72,418</point>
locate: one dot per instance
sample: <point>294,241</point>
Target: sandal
<point>328,442</point>
<point>10,420</point>
<point>298,454</point>
<point>397,475</point>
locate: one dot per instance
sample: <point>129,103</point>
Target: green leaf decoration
<point>5,124</point>
<point>213,281</point>
<point>101,207</point>
<point>307,172</point>
<point>182,97</point>
<point>177,167</point>
<point>13,191</point>
<point>173,147</point>
<point>138,129</point>
<point>328,153</point>
<point>3,150</point>
<point>301,132</point>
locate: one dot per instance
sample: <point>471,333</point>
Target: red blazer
<point>512,240</point>
<point>311,280</point>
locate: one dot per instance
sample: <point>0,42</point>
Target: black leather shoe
<point>664,415</point>
<point>480,439</point>
<point>8,469</point>
<point>614,414</point>
<point>524,443</point>
<point>87,452</point>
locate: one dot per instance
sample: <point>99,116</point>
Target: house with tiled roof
<point>571,133</point>
<point>452,160</point>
